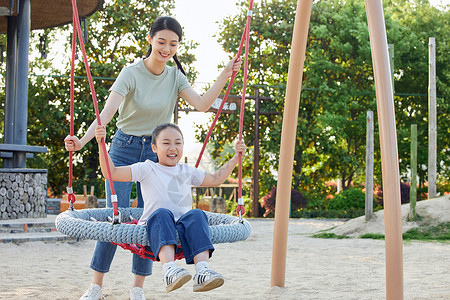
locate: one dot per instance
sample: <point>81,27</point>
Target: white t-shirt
<point>166,187</point>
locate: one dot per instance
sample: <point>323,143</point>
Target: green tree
<point>338,86</point>
<point>116,37</point>
<point>420,21</point>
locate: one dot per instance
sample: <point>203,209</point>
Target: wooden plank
<point>22,148</point>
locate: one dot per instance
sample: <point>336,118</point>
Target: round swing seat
<point>77,223</point>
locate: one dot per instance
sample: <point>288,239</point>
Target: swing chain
<point>70,196</point>
<point>240,210</point>
<point>116,218</point>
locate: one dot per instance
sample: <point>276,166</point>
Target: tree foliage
<point>117,36</point>
<point>338,85</point>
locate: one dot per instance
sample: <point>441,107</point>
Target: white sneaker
<point>137,293</point>
<point>94,292</point>
<point>206,280</point>
<point>176,278</point>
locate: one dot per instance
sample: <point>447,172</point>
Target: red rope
<point>71,195</point>
<point>240,210</point>
<point>77,29</point>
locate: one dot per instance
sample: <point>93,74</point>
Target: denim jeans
<point>125,150</point>
<point>192,228</point>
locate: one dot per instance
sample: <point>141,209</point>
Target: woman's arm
<point>117,174</point>
<point>204,102</point>
<point>224,172</point>
<point>113,102</point>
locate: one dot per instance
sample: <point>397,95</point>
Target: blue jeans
<point>125,150</point>
<point>192,228</point>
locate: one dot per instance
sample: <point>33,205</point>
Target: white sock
<point>168,265</point>
<point>201,265</point>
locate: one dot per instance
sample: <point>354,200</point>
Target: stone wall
<point>23,193</point>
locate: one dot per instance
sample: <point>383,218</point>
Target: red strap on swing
<point>77,30</point>
<point>240,210</point>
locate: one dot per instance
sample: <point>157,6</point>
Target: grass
<point>440,232</point>
<point>329,235</point>
<point>374,236</point>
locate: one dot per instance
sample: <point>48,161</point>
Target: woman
<point>145,95</point>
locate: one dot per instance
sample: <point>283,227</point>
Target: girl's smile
<point>169,147</point>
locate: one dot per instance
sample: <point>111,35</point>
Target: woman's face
<point>164,45</point>
<point>169,147</point>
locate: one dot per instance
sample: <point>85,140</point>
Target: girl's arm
<point>204,102</point>
<point>224,172</point>
<point>117,174</point>
<point>113,102</point>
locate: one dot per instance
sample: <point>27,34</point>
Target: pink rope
<point>71,195</point>
<point>77,29</point>
<point>240,210</point>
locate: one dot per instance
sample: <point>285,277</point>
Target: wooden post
<point>288,134</point>
<point>413,181</point>
<point>391,63</point>
<point>369,165</point>
<point>432,126</point>
<point>389,151</point>
<point>255,206</point>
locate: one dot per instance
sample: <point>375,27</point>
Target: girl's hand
<point>240,147</point>
<point>232,66</point>
<point>72,143</point>
<point>100,133</point>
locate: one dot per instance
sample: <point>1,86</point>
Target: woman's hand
<point>232,66</point>
<point>72,143</point>
<point>240,147</point>
<point>100,133</point>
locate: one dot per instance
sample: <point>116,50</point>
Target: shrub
<point>404,194</point>
<point>351,198</point>
<point>268,201</point>
<point>328,214</point>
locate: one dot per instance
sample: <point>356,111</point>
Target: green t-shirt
<point>149,100</point>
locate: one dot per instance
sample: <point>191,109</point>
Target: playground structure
<point>394,268</point>
<point>18,18</point>
<point>388,145</point>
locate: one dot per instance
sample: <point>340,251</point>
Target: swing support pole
<point>288,134</point>
<point>389,151</point>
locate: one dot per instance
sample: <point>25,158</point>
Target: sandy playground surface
<point>316,268</point>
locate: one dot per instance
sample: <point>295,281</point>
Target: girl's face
<point>169,147</point>
<point>164,45</point>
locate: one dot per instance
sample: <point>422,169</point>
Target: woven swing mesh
<point>77,223</point>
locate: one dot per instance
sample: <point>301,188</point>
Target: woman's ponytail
<point>180,67</point>
<point>149,51</point>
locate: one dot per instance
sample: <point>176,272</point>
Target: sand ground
<point>315,268</point>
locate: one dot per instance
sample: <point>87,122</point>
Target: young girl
<point>166,191</point>
<point>144,94</point>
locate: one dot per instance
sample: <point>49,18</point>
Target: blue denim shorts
<point>192,229</point>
